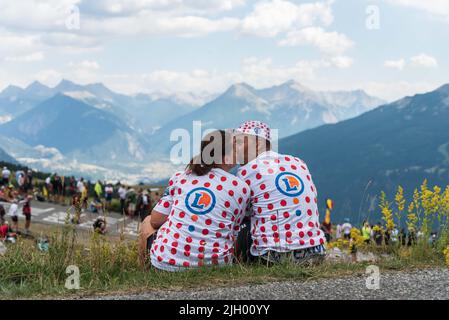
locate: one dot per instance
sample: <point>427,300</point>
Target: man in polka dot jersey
<point>284,213</point>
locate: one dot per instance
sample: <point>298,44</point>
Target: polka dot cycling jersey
<point>204,215</point>
<point>284,213</point>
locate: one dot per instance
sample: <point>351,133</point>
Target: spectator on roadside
<point>82,193</point>
<point>63,190</point>
<point>131,198</point>
<point>346,227</point>
<point>143,205</point>
<point>20,179</point>
<point>100,225</point>
<point>108,193</point>
<point>3,194</point>
<point>338,232</point>
<point>412,239</point>
<point>403,237</point>
<point>25,185</point>
<point>394,235</point>
<point>326,227</point>
<point>98,190</point>
<point>80,186</point>
<point>122,196</point>
<point>96,206</point>
<point>13,214</point>
<point>366,232</point>
<point>72,186</point>
<point>45,193</point>
<point>77,205</point>
<point>4,230</point>
<point>48,188</point>
<point>29,179</point>
<point>26,210</point>
<point>139,202</point>
<point>157,197</point>
<point>85,196</point>
<point>2,214</point>
<point>378,236</point>
<point>5,176</point>
<point>57,188</point>
<point>38,195</point>
<point>146,205</point>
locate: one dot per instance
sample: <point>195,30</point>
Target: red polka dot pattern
<point>190,240</point>
<point>280,221</point>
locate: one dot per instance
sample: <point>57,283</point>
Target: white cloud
<point>14,44</point>
<point>152,24</point>
<point>85,64</point>
<point>395,64</point>
<point>133,7</point>
<point>103,20</point>
<point>49,77</point>
<point>269,18</point>
<point>69,40</point>
<point>195,81</point>
<point>332,43</point>
<point>437,8</point>
<point>51,15</point>
<point>39,26</point>
<point>32,57</point>
<point>259,72</point>
<point>424,60</point>
<point>48,15</point>
<point>421,60</point>
<point>114,18</point>
<point>341,62</point>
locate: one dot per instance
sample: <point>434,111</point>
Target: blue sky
<point>203,46</point>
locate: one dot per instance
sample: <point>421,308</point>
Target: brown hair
<point>199,164</point>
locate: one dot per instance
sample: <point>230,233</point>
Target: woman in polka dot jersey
<point>284,217</point>
<point>200,215</point>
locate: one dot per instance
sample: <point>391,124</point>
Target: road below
<point>55,214</point>
<point>414,285</point>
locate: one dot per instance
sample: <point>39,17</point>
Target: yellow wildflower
<point>400,203</point>
<point>387,214</point>
<point>446,254</point>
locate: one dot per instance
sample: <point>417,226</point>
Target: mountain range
<point>93,127</point>
<point>289,107</point>
<point>144,112</point>
<point>401,143</point>
<point>77,130</point>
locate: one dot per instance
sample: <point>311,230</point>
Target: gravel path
<point>415,285</point>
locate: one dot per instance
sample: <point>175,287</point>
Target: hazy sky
<point>390,48</point>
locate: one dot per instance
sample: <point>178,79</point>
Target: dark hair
<point>198,165</point>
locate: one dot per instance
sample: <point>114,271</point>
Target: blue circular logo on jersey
<point>289,184</point>
<point>200,201</point>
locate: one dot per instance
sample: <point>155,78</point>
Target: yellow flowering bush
<point>339,243</point>
<point>446,255</point>
<point>428,208</point>
<point>426,211</point>
<point>387,214</point>
<point>400,203</point>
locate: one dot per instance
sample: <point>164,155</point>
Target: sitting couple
<point>199,218</point>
